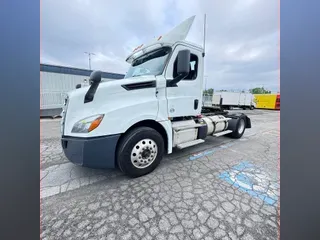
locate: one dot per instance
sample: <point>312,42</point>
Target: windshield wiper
<point>136,75</point>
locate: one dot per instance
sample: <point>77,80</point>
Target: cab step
<point>189,144</point>
<point>222,133</point>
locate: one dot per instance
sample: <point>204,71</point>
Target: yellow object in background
<point>267,101</point>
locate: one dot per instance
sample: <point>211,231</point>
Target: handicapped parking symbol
<point>248,178</point>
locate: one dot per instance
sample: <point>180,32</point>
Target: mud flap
<point>248,122</point>
<point>232,124</point>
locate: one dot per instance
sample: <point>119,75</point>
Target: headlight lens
<point>88,124</point>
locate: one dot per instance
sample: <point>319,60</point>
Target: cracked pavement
<point>221,189</point>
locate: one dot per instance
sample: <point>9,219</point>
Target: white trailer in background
<point>57,81</point>
<point>227,100</point>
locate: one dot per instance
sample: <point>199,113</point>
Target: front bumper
<point>98,152</point>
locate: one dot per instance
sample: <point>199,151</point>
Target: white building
<point>56,81</point>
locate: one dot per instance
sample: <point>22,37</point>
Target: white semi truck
<point>131,123</point>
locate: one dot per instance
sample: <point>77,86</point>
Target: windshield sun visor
<point>139,52</point>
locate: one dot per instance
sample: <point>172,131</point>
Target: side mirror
<point>183,66</point>
<point>95,77</point>
<point>78,86</point>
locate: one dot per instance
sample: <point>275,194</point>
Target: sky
<point>242,36</point>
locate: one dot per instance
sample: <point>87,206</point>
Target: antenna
<point>203,54</point>
<point>205,82</point>
<point>89,54</point>
<point>204,34</point>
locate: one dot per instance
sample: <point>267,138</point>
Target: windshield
<point>151,63</point>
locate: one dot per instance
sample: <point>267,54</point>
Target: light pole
<point>89,55</point>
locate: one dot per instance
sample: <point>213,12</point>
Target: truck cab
<point>130,123</point>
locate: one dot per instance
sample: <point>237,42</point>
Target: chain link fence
<point>206,100</point>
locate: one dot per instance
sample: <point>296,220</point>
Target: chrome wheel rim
<point>241,126</point>
<point>144,153</point>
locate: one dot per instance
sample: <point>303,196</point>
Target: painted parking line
<point>210,151</point>
<point>272,132</point>
<point>250,179</point>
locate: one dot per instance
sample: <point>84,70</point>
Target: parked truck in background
<point>268,101</point>
<point>131,123</point>
<point>228,100</point>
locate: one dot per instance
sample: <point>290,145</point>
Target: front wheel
<point>140,151</point>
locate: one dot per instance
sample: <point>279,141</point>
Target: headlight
<point>88,124</point>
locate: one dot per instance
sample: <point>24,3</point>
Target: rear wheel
<point>239,129</point>
<point>140,151</point>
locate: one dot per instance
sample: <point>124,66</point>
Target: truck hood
<point>111,87</point>
<point>108,96</point>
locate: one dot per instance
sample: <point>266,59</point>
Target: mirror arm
<point>95,79</point>
<point>173,82</point>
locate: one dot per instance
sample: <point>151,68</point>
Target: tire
<point>251,107</point>
<point>239,129</point>
<point>133,158</point>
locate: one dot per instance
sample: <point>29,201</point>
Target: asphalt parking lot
<point>222,189</point>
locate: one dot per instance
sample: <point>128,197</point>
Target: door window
<point>194,62</point>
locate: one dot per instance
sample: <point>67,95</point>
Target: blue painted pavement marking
<point>248,178</point>
<point>210,151</point>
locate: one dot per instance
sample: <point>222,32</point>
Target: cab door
<point>185,99</point>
